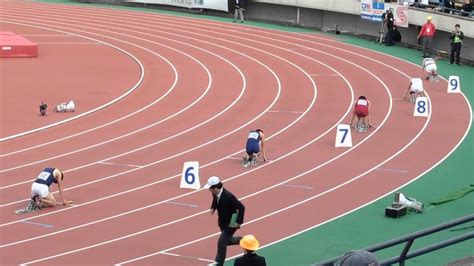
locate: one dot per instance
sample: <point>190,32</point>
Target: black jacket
<point>242,3</point>
<point>227,205</point>
<point>250,259</point>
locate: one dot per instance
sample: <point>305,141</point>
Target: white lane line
<point>295,177</point>
<point>69,43</point>
<point>235,158</point>
<point>172,87</point>
<point>392,170</point>
<point>223,111</point>
<point>279,132</point>
<point>142,74</point>
<point>297,186</point>
<point>182,204</point>
<point>121,164</point>
<point>130,133</point>
<point>283,111</point>
<point>38,224</point>
<point>187,257</point>
<point>45,35</point>
<point>189,129</point>
<point>348,110</point>
<point>314,85</point>
<point>76,168</point>
<point>324,75</point>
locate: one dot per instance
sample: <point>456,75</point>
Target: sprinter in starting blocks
<point>362,112</point>
<point>254,147</point>
<point>414,90</point>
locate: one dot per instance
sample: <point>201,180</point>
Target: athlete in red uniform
<point>362,110</point>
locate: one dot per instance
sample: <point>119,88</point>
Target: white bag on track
<point>65,107</point>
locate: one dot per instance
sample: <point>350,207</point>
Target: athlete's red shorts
<point>361,111</point>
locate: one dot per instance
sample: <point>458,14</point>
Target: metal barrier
<point>409,239</point>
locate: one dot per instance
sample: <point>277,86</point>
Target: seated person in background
<point>447,6</point>
<point>466,8</point>
<point>397,37</point>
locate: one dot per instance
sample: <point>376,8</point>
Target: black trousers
<point>225,239</point>
<point>455,52</point>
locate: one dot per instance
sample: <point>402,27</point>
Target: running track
<point>188,89</point>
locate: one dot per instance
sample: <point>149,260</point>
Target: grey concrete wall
<point>353,24</point>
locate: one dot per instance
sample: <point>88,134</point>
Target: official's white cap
<point>212,181</point>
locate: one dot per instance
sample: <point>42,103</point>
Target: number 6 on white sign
<point>190,176</point>
<point>343,136</point>
<point>453,84</point>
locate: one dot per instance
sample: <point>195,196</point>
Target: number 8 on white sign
<point>421,107</point>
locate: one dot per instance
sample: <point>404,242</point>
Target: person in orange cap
<point>250,244</point>
<point>426,35</point>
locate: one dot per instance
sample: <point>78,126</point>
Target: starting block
<point>343,136</point>
<point>361,127</point>
<point>453,84</point>
<point>434,78</point>
<point>252,161</point>
<point>190,176</point>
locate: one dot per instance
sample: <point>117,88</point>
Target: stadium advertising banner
<point>400,14</point>
<point>372,10</point>
<point>207,4</point>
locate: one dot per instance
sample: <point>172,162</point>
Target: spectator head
<point>429,18</point>
<point>249,243</point>
<point>358,257</point>
<point>457,26</point>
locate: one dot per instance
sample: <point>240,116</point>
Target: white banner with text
<point>207,4</point>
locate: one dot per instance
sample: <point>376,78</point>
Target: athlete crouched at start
<point>430,69</point>
<point>255,147</point>
<point>362,112</point>
<point>40,194</point>
<point>415,89</point>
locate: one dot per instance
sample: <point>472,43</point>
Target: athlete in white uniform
<point>415,88</point>
<point>40,188</point>
<point>430,69</point>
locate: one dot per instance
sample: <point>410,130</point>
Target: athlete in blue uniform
<point>40,188</point>
<point>254,147</point>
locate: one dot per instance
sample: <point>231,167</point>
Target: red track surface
<point>206,84</point>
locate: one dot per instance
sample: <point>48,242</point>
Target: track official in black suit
<point>226,204</point>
